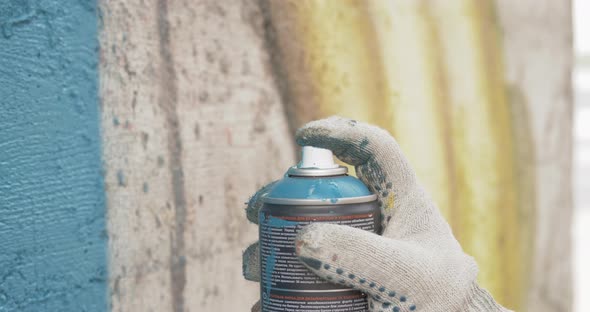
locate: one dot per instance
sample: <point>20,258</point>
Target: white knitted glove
<point>416,265</point>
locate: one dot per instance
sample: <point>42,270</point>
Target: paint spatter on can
<point>271,261</point>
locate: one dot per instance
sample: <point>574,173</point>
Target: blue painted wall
<point>52,208</point>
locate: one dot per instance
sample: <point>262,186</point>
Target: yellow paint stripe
<point>482,133</point>
<point>328,55</point>
<point>416,93</point>
<point>432,75</point>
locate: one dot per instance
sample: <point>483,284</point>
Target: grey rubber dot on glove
<point>416,265</point>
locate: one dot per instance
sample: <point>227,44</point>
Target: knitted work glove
<point>416,265</point>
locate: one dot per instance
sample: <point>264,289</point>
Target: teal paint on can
<point>327,187</point>
<point>53,239</point>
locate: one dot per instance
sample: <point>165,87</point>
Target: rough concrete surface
<point>52,226</point>
<point>192,126</point>
<point>538,55</point>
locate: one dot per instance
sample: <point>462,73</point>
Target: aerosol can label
<point>286,284</point>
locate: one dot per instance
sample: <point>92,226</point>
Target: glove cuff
<point>481,300</point>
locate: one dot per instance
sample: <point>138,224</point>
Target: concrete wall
<point>192,126</point>
<point>191,106</point>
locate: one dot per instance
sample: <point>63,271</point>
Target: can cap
<point>317,180</point>
<point>318,158</point>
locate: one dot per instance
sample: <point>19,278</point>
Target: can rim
<point>317,172</point>
<point>324,201</point>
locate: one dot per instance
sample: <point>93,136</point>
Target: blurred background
<point>132,133</point>
<point>581,86</point>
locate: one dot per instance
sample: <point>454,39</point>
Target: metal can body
<point>287,285</point>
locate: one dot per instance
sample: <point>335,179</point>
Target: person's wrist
<point>480,300</point>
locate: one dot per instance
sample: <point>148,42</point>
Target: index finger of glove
<point>256,201</point>
<point>396,272</point>
<point>376,155</point>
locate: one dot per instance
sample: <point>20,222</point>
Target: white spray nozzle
<point>313,157</point>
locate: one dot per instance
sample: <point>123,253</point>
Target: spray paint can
<point>316,190</point>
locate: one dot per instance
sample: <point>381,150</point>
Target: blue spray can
<point>316,190</point>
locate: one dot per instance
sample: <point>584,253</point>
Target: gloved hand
<point>416,265</point>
